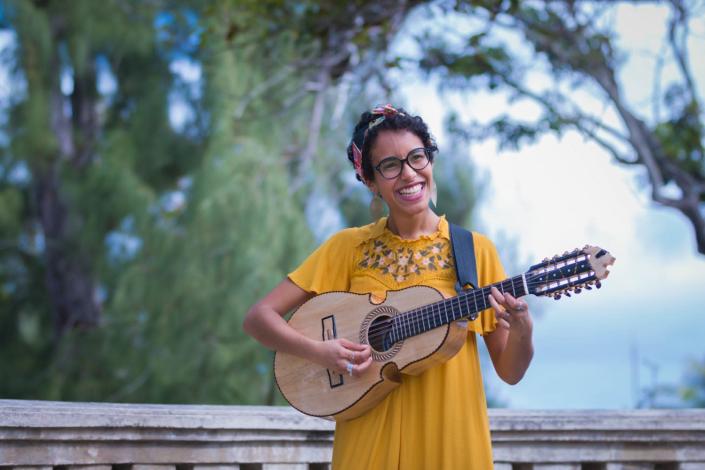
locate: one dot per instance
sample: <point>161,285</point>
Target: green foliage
<point>179,230</point>
<point>693,392</point>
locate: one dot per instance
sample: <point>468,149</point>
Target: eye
<point>389,164</point>
<point>417,156</point>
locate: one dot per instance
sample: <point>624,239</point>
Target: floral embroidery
<point>402,262</point>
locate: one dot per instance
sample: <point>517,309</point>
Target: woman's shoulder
<point>482,241</point>
<point>353,236</point>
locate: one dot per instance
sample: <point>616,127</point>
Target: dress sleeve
<point>489,271</point>
<point>329,267</point>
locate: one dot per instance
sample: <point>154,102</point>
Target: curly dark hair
<point>364,137</point>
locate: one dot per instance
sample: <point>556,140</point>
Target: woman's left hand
<point>509,311</point>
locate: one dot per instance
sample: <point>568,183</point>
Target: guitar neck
<point>466,305</point>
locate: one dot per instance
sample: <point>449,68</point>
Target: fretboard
<point>466,305</point>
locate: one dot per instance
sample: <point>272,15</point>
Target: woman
<point>438,419</point>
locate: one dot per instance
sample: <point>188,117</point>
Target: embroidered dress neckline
<point>381,228</point>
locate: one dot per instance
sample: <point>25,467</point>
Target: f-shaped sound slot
<point>328,333</point>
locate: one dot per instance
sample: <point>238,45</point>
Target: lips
<point>411,192</point>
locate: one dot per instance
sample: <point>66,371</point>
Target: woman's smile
<point>412,192</point>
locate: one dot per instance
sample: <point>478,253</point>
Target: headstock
<point>572,271</point>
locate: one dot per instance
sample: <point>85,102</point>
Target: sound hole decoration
<point>375,330</point>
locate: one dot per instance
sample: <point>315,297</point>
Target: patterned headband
<point>384,111</point>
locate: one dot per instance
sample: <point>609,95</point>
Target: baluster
<point>134,467</point>
<point>629,466</point>
<point>502,466</point>
<point>109,467</point>
<point>285,466</point>
<point>556,466</point>
<point>216,467</point>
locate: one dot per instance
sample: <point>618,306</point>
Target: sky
<point>598,349</point>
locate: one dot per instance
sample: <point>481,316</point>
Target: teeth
<point>411,189</point>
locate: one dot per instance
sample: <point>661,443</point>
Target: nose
<point>406,170</point>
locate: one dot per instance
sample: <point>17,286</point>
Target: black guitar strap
<point>464,255</point>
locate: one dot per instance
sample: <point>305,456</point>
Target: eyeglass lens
<point>392,167</point>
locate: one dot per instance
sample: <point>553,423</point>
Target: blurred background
<point>163,164</point>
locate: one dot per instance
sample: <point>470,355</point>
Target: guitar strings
<point>425,315</point>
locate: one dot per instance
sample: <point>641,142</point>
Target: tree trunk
<point>68,280</point>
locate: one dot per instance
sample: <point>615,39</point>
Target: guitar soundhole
<point>375,332</point>
<point>378,332</point>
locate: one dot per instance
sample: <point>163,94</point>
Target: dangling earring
<point>434,194</point>
<point>376,206</point>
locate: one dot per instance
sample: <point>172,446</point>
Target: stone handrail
<point>98,436</point>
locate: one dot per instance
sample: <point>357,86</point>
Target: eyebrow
<point>394,156</point>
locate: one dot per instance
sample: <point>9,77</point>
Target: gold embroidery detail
<point>403,262</point>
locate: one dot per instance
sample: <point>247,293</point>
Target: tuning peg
<point>598,284</point>
<point>556,296</point>
<point>588,287</point>
<point>577,290</point>
<point>567,294</point>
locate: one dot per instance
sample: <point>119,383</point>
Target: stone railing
<point>92,436</point>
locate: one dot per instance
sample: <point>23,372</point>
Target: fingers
<point>355,352</point>
<point>358,369</point>
<point>505,302</point>
<point>350,358</point>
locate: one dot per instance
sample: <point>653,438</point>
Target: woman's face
<point>408,194</point>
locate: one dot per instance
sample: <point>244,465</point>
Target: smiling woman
<point>430,416</point>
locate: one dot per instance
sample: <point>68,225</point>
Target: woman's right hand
<point>336,354</point>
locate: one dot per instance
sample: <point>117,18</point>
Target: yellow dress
<point>438,419</point>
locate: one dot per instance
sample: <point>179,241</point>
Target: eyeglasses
<point>417,159</point>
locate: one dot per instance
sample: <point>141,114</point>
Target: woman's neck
<point>412,227</point>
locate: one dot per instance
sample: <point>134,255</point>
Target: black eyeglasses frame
<point>429,151</point>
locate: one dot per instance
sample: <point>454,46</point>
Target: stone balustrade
<point>38,435</point>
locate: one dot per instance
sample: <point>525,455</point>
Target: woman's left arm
<point>510,344</point>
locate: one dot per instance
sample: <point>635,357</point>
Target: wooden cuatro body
<point>316,391</point>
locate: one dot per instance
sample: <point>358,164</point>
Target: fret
<point>425,318</point>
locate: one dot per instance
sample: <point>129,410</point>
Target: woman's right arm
<point>264,322</point>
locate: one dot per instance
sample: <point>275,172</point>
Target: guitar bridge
<point>328,333</point>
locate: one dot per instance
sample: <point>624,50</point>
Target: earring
<point>434,194</point>
<point>376,206</point>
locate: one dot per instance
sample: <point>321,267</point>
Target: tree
<point>167,231</point>
<point>574,42</point>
